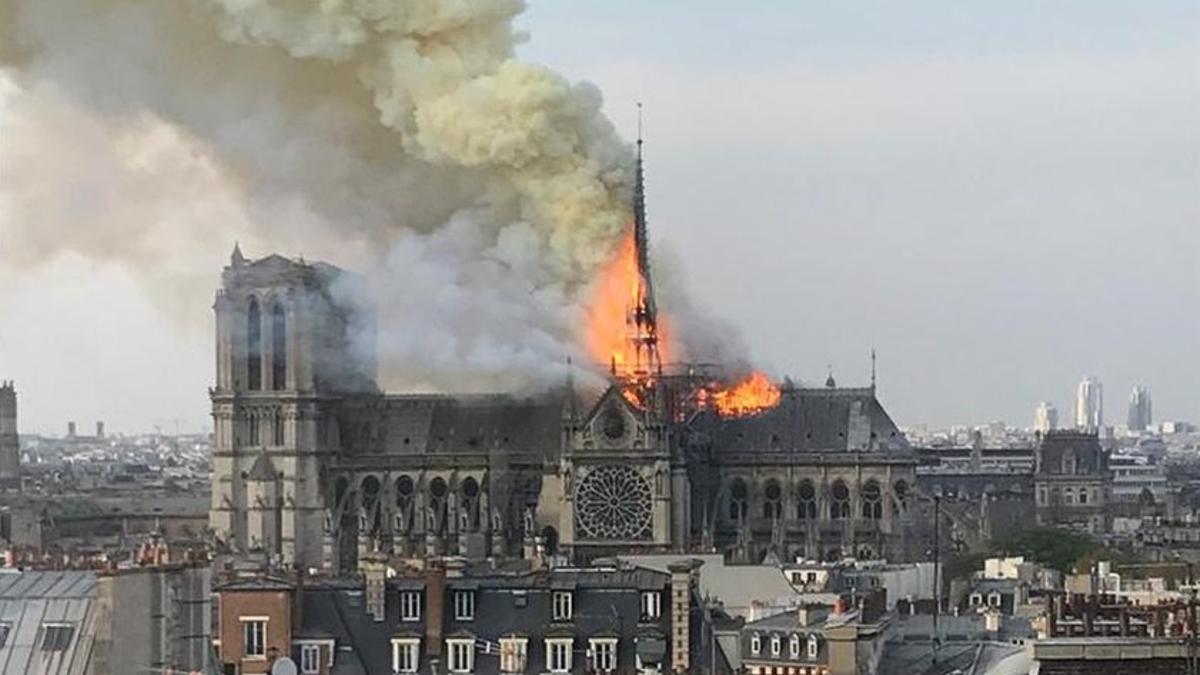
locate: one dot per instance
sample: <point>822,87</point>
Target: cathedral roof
<point>811,420</point>
<point>473,424</point>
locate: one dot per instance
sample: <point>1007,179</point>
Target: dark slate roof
<point>333,611</point>
<point>474,424</point>
<point>809,420</point>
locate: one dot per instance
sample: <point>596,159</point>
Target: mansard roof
<point>811,420</point>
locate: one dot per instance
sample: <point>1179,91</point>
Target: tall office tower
<point>10,445</point>
<point>1045,417</point>
<point>1089,405</point>
<point>1140,415</point>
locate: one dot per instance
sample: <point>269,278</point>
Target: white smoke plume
<point>401,138</point>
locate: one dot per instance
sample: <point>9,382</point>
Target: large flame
<point>753,394</point>
<point>616,338</point>
<point>612,337</point>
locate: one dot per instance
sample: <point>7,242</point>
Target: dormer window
<point>464,605</point>
<point>755,644</point>
<point>794,647</point>
<point>563,611</point>
<point>812,646</point>
<point>776,645</point>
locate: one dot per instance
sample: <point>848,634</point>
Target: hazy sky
<point>999,197</point>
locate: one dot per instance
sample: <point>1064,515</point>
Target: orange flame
<point>611,336</point>
<point>753,394</point>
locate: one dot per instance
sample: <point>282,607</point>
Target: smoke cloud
<point>477,193</point>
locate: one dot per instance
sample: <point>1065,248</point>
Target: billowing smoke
<point>401,138</point>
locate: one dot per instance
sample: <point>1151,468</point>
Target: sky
<point>999,198</point>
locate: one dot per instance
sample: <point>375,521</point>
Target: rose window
<point>613,503</point>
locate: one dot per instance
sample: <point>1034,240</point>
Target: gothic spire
<point>641,236</point>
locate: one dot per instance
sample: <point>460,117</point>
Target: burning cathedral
<point>315,466</point>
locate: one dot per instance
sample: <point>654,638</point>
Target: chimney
<point>374,568</point>
<point>100,429</point>
<point>684,574</point>
<point>70,430</point>
<point>435,609</point>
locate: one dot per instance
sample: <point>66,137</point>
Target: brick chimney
<point>684,574</point>
<point>374,568</point>
<point>435,608</point>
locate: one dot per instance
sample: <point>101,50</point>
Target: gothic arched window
<point>772,504</point>
<point>901,490</point>
<point>278,348</point>
<point>370,503</point>
<point>806,501</point>
<point>872,501</point>
<point>737,500</point>
<point>253,347</point>
<point>839,504</point>
<point>470,501</point>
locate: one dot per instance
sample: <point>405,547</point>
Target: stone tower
<point>290,347</point>
<point>10,446</point>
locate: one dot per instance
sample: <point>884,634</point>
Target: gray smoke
<point>401,139</point>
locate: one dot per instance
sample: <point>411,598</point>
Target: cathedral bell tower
<point>287,351</point>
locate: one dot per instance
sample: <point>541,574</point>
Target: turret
<point>10,445</point>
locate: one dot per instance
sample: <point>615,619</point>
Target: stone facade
<point>316,467</point>
<point>1072,481</point>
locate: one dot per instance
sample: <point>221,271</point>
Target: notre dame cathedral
<point>314,466</point>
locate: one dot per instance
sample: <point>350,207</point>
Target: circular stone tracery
<point>613,503</point>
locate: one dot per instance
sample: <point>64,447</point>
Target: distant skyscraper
<point>1045,417</point>
<point>1140,416</point>
<point>1089,405</point>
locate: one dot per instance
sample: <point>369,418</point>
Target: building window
<point>794,647</point>
<point>773,501</point>
<point>460,655</point>
<point>278,348</point>
<point>776,645</point>
<point>252,429</point>
<point>1083,495</point>
<point>277,429</point>
<point>56,636</point>
<point>976,599</point>
<point>464,605</point>
<point>514,655</point>
<point>651,605</point>
<point>558,655</point>
<point>806,501</point>
<point>994,600</point>
<point>406,655</point>
<point>901,491</point>
<point>310,659</point>
<point>839,506</point>
<point>872,501</point>
<point>410,606</point>
<point>253,347</point>
<point>5,629</point>
<point>254,637</point>
<point>1069,495</point>
<point>604,655</point>
<point>812,646</point>
<point>562,606</point>
<point>755,644</point>
<point>737,500</point>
